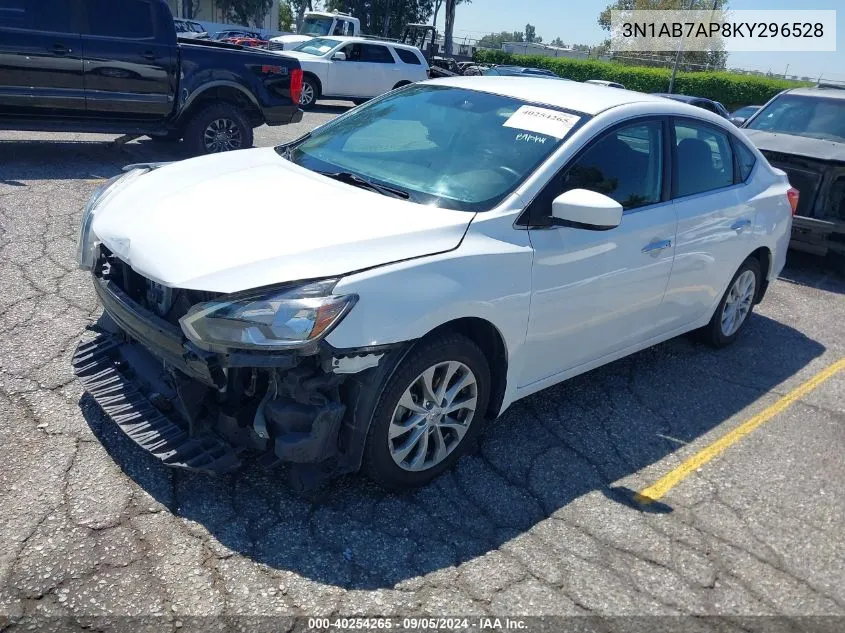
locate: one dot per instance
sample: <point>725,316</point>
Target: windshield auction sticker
<point>542,121</point>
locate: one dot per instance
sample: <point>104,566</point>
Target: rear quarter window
<point>745,160</point>
<point>408,57</point>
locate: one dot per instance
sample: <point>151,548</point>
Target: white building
<point>526,48</point>
<point>210,14</point>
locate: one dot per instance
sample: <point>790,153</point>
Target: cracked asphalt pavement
<point>540,521</point>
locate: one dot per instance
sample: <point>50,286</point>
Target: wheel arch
<point>401,84</point>
<point>312,75</point>
<point>764,256</point>
<point>222,92</point>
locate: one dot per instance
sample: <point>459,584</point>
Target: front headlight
<point>270,320</point>
<point>87,244</point>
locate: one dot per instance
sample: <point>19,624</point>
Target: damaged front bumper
<point>202,411</point>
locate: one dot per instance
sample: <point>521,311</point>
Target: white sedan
<point>429,259</point>
<point>355,68</point>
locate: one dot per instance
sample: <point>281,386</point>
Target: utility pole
<point>786,71</point>
<point>681,47</point>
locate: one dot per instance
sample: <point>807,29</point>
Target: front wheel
<point>736,305</point>
<point>221,127</point>
<point>430,412</point>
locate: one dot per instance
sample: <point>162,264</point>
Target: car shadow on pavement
<point>823,273</point>
<point>546,452</point>
<point>79,160</point>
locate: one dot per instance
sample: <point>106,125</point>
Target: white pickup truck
<point>318,24</point>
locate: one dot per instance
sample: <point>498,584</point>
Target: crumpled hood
<point>246,219</point>
<point>817,148</point>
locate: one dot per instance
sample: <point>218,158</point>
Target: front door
<point>130,68</point>
<point>597,292</point>
<point>40,59</point>
<point>364,73</point>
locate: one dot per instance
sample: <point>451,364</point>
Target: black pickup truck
<point>117,67</point>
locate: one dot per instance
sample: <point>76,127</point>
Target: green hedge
<point>731,89</point>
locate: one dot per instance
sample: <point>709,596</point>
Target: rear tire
<point>222,127</point>
<point>408,446</point>
<point>736,305</point>
<point>310,93</point>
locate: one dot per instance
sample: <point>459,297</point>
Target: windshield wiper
<point>358,181</point>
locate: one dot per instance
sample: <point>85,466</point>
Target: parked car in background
<point>222,36</point>
<point>252,42</point>
<point>468,241</point>
<point>520,71</point>
<point>699,102</point>
<point>802,131</point>
<point>126,73</point>
<point>475,69</point>
<point>446,63</point>
<point>354,68</point>
<point>738,117</point>
<point>189,29</point>
<point>604,82</point>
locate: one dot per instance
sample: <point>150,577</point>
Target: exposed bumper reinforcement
<point>95,365</point>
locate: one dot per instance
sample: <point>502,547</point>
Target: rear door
<point>129,53</point>
<point>40,59</point>
<point>715,220</point>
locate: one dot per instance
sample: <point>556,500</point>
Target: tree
<point>530,33</point>
<point>495,40</point>
<point>245,11</point>
<point>450,25</point>
<point>557,42</point>
<point>286,20</point>
<point>690,60</point>
<point>383,16</point>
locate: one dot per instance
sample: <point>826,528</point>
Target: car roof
<point>572,95</point>
<point>820,91</point>
<point>677,97</point>
<point>368,40</point>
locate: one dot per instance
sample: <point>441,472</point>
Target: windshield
<point>318,46</point>
<point>316,25</point>
<point>444,146</point>
<point>801,115</point>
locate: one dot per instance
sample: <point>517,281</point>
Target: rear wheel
<point>310,93</point>
<point>430,412</point>
<point>221,127</point>
<point>736,305</point>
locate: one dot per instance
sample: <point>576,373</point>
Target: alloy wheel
<point>738,302</point>
<point>222,135</point>
<point>432,416</point>
<point>306,97</point>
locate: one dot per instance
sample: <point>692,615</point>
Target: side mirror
<point>339,56</point>
<point>587,210</point>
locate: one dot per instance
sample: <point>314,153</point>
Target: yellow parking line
<point>676,476</point>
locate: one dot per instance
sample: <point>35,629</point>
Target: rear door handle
<point>656,247</point>
<point>149,55</point>
<point>60,49</point>
<point>740,225</point>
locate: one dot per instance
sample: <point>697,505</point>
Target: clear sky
<point>575,22</point>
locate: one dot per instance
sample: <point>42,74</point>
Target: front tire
<point>736,305</point>
<point>221,127</point>
<point>429,413</point>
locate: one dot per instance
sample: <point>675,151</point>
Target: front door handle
<point>149,55</point>
<point>60,49</point>
<point>656,247</point>
<point>740,225</point>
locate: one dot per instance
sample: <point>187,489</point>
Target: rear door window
<point>129,19</point>
<point>703,159</point>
